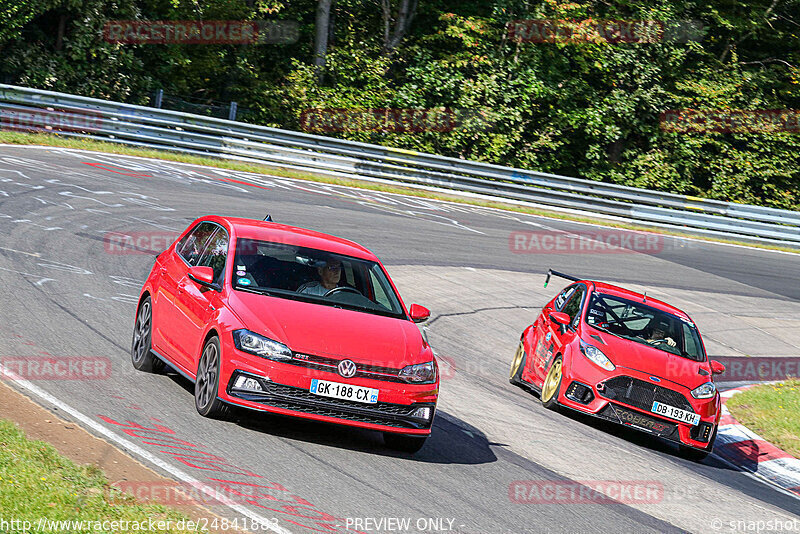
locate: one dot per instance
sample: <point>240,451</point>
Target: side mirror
<point>203,276</point>
<point>419,314</point>
<point>560,318</point>
<point>716,367</point>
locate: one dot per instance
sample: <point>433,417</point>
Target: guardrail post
<point>159,98</point>
<point>232,111</point>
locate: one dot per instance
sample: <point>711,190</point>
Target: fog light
<point>245,382</point>
<point>422,413</point>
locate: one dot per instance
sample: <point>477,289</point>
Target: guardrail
<point>24,108</point>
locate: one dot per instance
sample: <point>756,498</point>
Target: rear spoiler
<point>551,272</point>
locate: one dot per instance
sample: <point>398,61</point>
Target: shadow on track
<point>452,441</point>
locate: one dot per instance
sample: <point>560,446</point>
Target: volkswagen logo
<point>347,368</point>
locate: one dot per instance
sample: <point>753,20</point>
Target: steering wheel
<point>662,341</point>
<point>342,288</point>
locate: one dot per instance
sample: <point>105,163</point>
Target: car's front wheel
<point>517,365</point>
<point>206,384</point>
<point>403,443</point>
<point>142,355</point>
<point>552,384</point>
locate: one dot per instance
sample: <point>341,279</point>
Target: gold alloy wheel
<point>552,381</point>
<point>517,361</point>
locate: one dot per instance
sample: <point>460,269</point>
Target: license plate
<point>337,390</point>
<point>675,413</point>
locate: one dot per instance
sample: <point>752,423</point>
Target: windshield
<point>646,325</point>
<point>316,276</point>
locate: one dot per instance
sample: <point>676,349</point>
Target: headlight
<point>421,373</point>
<point>596,355</point>
<point>253,343</point>
<point>706,391</point>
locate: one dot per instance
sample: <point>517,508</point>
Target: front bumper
<point>286,392</point>
<point>628,403</point>
<point>299,402</point>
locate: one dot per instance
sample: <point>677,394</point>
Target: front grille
<point>290,392</point>
<point>323,363</point>
<point>642,394</point>
<point>302,400</point>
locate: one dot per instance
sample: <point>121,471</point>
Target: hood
<point>333,332</point>
<point>650,360</point>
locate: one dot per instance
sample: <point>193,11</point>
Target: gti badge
<point>655,379</point>
<point>347,368</point>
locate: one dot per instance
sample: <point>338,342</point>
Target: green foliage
<point>589,109</point>
<point>35,478</point>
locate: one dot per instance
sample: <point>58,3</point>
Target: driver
<point>658,334</point>
<point>329,277</point>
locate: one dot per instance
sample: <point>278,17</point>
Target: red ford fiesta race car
<point>621,356</point>
<point>290,321</point>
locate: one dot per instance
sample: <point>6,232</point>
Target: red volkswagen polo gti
<point>624,357</point>
<point>290,321</point>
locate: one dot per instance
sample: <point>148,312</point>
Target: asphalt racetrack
<point>69,292</point>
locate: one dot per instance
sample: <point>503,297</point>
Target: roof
<point>291,235</point>
<point>610,289</point>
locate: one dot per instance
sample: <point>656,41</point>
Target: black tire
<point>403,442</point>
<point>519,361</point>
<point>206,384</point>
<point>142,356</point>
<point>548,396</point>
<point>698,455</point>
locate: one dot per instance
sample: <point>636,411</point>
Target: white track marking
<point>73,151</point>
<point>265,523</point>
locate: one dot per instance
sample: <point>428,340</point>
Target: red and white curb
<point>750,452</point>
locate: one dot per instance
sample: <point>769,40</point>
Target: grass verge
<point>773,412</point>
<point>19,138</point>
<point>37,482</point>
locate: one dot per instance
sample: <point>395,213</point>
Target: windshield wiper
<point>256,290</point>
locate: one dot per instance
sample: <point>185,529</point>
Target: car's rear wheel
<point>142,355</point>
<point>517,365</point>
<point>552,384</point>
<point>403,443</point>
<point>698,455</point>
<point>207,383</point>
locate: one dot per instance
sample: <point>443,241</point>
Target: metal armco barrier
<point>27,109</point>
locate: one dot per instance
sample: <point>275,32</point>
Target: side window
<point>214,253</point>
<point>193,243</point>
<point>573,306</point>
<point>563,297</point>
